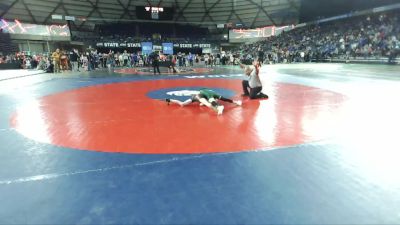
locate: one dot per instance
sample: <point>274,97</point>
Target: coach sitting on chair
<point>252,87</point>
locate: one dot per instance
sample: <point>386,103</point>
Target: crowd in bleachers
<point>141,32</point>
<point>25,61</point>
<point>376,35</point>
<point>372,36</point>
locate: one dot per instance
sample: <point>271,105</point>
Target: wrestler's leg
<point>230,100</point>
<point>214,105</point>
<point>187,102</point>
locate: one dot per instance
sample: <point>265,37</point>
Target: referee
<point>156,63</point>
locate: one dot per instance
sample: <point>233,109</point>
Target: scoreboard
<point>154,13</point>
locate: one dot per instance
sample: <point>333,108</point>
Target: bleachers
<point>6,46</point>
<point>371,38</point>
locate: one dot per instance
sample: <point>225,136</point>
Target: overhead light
<point>57,17</point>
<point>71,18</point>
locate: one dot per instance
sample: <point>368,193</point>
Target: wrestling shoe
<point>239,103</point>
<point>220,109</point>
<point>168,100</point>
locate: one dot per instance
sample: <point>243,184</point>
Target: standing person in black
<point>156,63</point>
<point>260,56</point>
<point>74,56</point>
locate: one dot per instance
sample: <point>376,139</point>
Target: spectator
<point>56,60</point>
